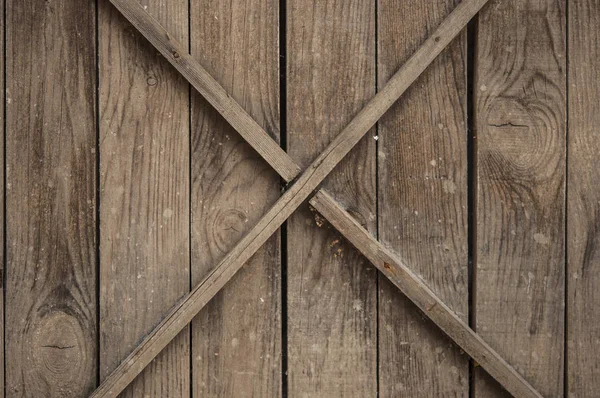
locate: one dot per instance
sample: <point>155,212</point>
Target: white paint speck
<point>541,239</point>
<point>449,186</point>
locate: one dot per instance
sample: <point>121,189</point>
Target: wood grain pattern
<point>144,196</point>
<point>332,290</point>
<point>50,199</point>
<point>520,118</point>
<point>190,305</point>
<point>236,339</point>
<point>583,216</point>
<point>423,297</point>
<point>423,202</point>
<point>177,54</point>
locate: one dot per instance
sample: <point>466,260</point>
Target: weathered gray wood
<point>236,339</point>
<point>520,118</point>
<point>420,294</point>
<point>192,303</point>
<point>423,202</point>
<point>583,216</point>
<point>50,198</point>
<point>144,196</point>
<point>332,289</point>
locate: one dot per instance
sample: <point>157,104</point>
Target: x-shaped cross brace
<point>306,186</point>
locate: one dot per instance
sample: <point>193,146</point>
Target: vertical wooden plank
<point>50,198</point>
<point>583,228</point>
<point>236,339</point>
<point>144,196</point>
<point>332,302</point>
<point>2,192</point>
<point>423,202</point>
<point>520,118</point>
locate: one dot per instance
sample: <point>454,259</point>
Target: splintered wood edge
<point>422,296</point>
<point>216,95</point>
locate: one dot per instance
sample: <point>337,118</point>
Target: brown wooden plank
<point>332,302</point>
<point>409,283</point>
<point>423,202</point>
<point>144,196</point>
<point>332,289</point>
<point>51,186</point>
<point>520,118</point>
<point>177,54</point>
<point>191,304</point>
<point>583,216</point>
<point>236,340</point>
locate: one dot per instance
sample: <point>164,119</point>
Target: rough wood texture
<point>144,196</point>
<point>520,125</point>
<point>423,202</point>
<point>50,199</point>
<point>236,340</point>
<point>420,294</point>
<point>583,270</point>
<point>332,289</point>
<point>320,168</point>
<point>206,85</point>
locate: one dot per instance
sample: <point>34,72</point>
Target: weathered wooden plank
<point>144,196</point>
<point>206,85</point>
<point>236,340</point>
<point>405,279</point>
<point>192,303</point>
<point>50,198</point>
<point>520,118</point>
<point>423,202</point>
<point>583,214</point>
<point>332,289</point>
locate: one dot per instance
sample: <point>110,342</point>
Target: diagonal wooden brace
<point>410,284</point>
